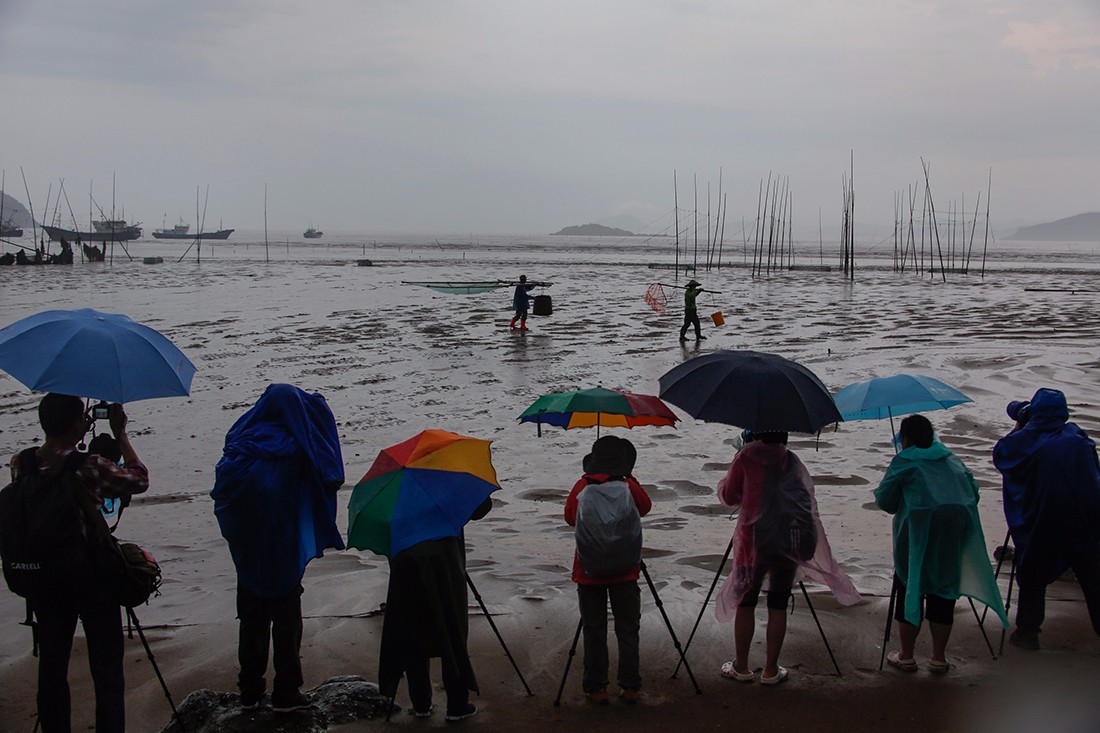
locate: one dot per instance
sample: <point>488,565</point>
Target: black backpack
<point>46,544</point>
<point>786,526</point>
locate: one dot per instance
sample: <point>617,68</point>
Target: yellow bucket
<point>718,318</point>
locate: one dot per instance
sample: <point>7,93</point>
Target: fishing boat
<point>117,226</point>
<point>312,233</point>
<point>111,235</point>
<point>10,230</point>
<point>182,231</point>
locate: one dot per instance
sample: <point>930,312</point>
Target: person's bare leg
<point>744,625</point>
<point>907,637</point>
<point>940,634</point>
<point>777,630</point>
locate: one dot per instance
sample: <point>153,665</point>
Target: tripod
<point>489,618</point>
<point>131,618</point>
<point>668,624</point>
<point>1011,578</point>
<point>714,584</point>
<point>974,609</point>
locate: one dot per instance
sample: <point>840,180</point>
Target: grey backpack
<point>609,530</point>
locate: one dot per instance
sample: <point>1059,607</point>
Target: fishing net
<point>655,298</point>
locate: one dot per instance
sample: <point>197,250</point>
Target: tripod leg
<point>477,596</point>
<point>713,584</point>
<point>889,620</point>
<point>981,627</point>
<point>152,660</point>
<point>568,663</point>
<point>819,629</point>
<point>1008,601</point>
<point>668,624</point>
<point>997,570</point>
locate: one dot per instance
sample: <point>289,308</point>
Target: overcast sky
<point>509,116</point>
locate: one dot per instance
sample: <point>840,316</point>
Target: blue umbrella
<point>898,395</point>
<point>86,353</point>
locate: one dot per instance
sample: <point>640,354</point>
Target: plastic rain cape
<point>275,489</point>
<point>939,547</point>
<point>746,484</point>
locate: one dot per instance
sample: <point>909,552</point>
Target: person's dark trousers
<point>269,622</point>
<point>1031,602</point>
<point>691,318</point>
<point>420,687</point>
<point>626,606</point>
<point>101,618</point>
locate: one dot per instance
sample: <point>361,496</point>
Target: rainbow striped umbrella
<point>599,407</point>
<point>424,488</point>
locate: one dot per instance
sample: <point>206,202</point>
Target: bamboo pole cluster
<point>909,253</point>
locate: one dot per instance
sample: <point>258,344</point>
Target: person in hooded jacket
<point>275,500</point>
<point>608,471</point>
<point>939,548</point>
<point>1051,489</point>
<point>773,489</point>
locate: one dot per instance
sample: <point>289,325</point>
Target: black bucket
<point>543,306</point>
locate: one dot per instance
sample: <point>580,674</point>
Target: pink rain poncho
<point>760,469</point>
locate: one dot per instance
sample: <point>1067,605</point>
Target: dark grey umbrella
<point>750,389</point>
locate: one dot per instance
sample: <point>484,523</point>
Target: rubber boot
<point>523,325</point>
<point>512,324</point>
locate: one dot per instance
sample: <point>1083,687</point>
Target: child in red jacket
<point>605,506</point>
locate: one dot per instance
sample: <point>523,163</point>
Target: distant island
<point>1080,228</point>
<point>594,230</point>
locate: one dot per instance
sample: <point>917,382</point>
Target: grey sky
<point>513,116</point>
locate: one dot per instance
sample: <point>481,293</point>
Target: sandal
<point>781,677</point>
<point>905,665</point>
<point>937,666</point>
<point>730,673</point>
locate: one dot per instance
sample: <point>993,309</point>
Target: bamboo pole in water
<point>934,227</point>
<point>985,246</point>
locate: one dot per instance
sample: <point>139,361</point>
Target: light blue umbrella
<point>901,394</point>
<point>86,353</point>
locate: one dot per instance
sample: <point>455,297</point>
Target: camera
<point>1019,410</point>
<point>101,410</point>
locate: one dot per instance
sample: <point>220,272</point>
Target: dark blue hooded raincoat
<point>275,489</point>
<point>1051,489</point>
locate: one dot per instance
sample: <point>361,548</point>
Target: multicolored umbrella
<point>424,488</point>
<point>598,407</point>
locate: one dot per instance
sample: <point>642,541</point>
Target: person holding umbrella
<point>939,548</point>
<point>275,500</point>
<point>65,423</point>
<point>691,312</point>
<point>779,535</point>
<point>426,616</point>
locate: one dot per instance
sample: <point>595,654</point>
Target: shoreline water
<point>393,360</point>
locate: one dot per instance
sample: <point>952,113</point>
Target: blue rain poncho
<point>1051,489</point>
<point>275,489</point>
<point>939,547</point>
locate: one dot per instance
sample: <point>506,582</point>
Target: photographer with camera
<point>62,585</point>
<point>1052,505</point>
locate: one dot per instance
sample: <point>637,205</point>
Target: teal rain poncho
<point>939,547</point>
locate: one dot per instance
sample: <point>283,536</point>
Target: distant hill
<point>1080,228</point>
<point>15,212</point>
<point>594,230</point>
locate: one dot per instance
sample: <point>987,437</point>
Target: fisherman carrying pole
<point>691,313</point>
